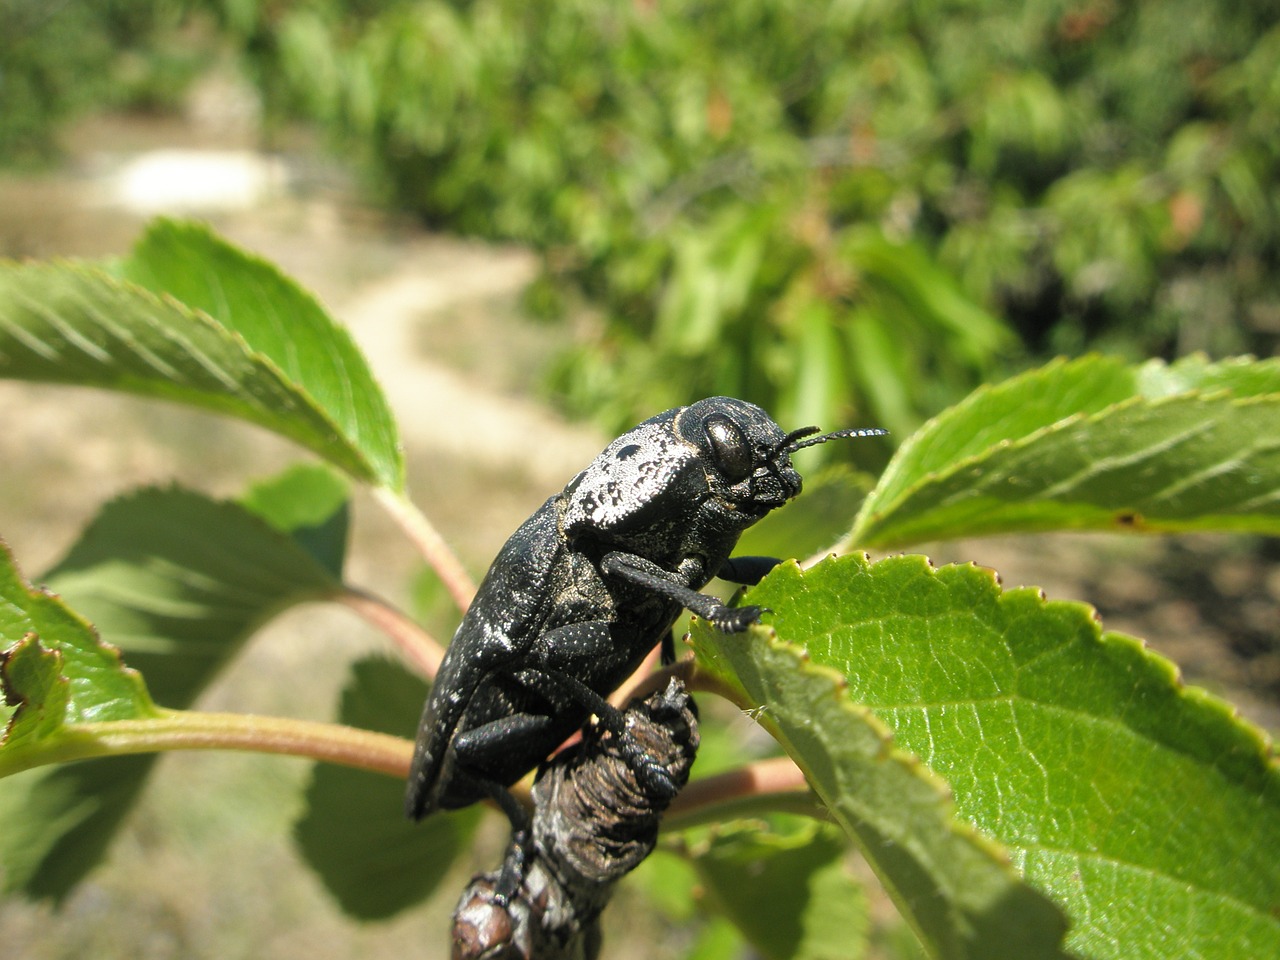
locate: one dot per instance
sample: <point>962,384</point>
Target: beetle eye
<point>729,447</point>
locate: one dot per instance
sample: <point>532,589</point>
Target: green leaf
<point>34,686</point>
<point>40,635</point>
<point>55,671</point>
<point>813,520</point>
<point>957,888</point>
<point>58,821</point>
<point>312,505</point>
<point>179,581</point>
<point>278,320</point>
<point>1112,786</point>
<point>1092,444</point>
<point>354,833</point>
<point>791,895</point>
<point>266,354</point>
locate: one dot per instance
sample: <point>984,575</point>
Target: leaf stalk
<point>423,534</point>
<point>194,730</point>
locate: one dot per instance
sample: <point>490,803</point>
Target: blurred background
<point>550,220</point>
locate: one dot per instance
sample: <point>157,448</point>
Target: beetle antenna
<point>788,443</point>
<point>794,441</point>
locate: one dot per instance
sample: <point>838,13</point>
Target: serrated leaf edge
<point>354,460</point>
<point>868,518</point>
<point>134,678</point>
<point>295,390</point>
<point>984,846</point>
<point>335,329</point>
<point>11,695</point>
<point>1158,669</point>
<point>838,685</point>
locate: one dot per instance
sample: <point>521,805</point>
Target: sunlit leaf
<point>1093,444</point>
<point>180,582</point>
<point>277,320</point>
<point>46,644</point>
<point>35,689</point>
<point>959,890</point>
<point>1111,786</point>
<point>55,672</point>
<point>266,354</point>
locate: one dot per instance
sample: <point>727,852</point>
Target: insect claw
<point>513,868</point>
<point>735,619</point>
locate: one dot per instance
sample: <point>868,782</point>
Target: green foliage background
<point>61,57</point>
<point>850,212</point>
<point>844,211</point>
<point>778,199</point>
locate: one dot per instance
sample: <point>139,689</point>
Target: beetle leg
<point>558,648</point>
<point>499,736</point>
<point>471,747</point>
<point>513,866</point>
<point>668,654</point>
<point>657,778</point>
<point>647,574</point>
<point>747,570</point>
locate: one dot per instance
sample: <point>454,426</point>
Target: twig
<point>770,785</point>
<point>195,730</point>
<point>595,817</point>
<point>419,646</point>
<point>642,682</point>
<point>430,544</point>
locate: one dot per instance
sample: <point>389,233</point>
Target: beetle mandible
<point>589,584</point>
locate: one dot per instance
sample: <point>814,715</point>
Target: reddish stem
<point>430,544</point>
<point>419,646</point>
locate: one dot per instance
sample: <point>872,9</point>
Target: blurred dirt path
<point>438,407</point>
<point>480,453</point>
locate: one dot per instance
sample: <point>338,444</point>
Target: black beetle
<point>588,585</point>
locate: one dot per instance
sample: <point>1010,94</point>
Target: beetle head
<point>721,460</point>
<point>746,455</point>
